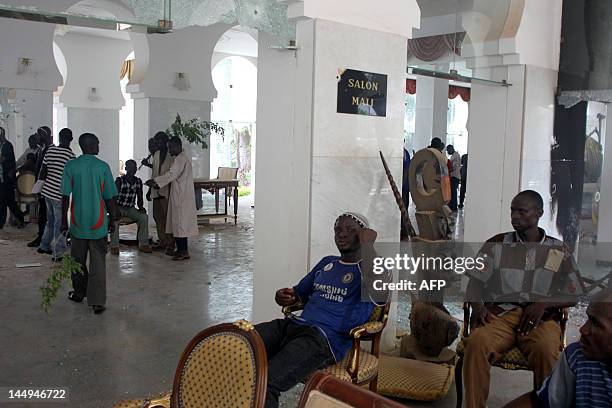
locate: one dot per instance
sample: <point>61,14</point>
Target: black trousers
<point>462,192</point>
<point>42,216</point>
<point>7,200</point>
<point>454,186</point>
<point>181,245</point>
<point>294,353</point>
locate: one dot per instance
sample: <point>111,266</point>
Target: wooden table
<point>217,185</point>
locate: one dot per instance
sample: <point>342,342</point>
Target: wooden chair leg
<point>374,384</point>
<point>459,381</point>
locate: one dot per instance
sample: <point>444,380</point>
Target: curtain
<point>411,86</point>
<point>464,93</point>
<point>127,69</point>
<point>434,47</point>
<point>453,90</point>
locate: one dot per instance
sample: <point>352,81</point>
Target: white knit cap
<point>359,218</point>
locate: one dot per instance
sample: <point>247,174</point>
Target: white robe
<point>182,220</point>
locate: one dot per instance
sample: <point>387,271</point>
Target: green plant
<point>194,131</point>
<point>60,272</point>
<point>244,191</point>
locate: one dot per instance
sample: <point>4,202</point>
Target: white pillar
<point>431,111</point>
<point>321,162</point>
<point>511,131</point>
<point>604,220</point>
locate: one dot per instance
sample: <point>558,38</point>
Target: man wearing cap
<point>333,305</point>
<point>44,141</point>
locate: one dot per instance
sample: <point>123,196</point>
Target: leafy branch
<point>194,131</point>
<point>60,272</point>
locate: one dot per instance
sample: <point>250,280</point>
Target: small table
<point>217,185</point>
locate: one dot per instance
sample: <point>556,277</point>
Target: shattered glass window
<point>264,15</point>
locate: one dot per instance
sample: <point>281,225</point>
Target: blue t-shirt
<point>577,382</point>
<point>332,296</point>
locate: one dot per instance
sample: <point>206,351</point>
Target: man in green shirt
<point>90,182</point>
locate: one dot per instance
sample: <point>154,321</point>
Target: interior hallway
<point>155,306</point>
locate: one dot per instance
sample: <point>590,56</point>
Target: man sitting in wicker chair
<point>517,298</point>
<point>298,346</point>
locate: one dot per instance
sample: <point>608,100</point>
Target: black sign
<point>362,93</point>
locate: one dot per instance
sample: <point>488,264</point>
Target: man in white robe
<point>182,220</point>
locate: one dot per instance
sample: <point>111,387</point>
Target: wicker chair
<point>359,366</point>
<point>326,391</point>
<point>222,366</point>
<point>513,359</point>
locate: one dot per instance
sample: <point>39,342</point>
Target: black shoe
<point>98,309</point>
<point>460,206</point>
<point>43,251</point>
<point>57,259</point>
<point>74,298</point>
<point>35,243</point>
<point>21,225</point>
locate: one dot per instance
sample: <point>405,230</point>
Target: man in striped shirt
<point>53,241</point>
<point>583,375</point>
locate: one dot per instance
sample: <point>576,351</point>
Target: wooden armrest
<point>287,310</point>
<point>161,402</point>
<point>367,328</point>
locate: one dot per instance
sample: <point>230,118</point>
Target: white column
<point>511,131</point>
<point>494,146</point>
<point>431,111</point>
<point>604,220</point>
<point>328,161</point>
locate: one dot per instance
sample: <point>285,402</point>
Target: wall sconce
<point>93,95</point>
<point>181,81</point>
<point>24,66</point>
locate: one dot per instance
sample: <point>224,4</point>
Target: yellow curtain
<point>127,69</point>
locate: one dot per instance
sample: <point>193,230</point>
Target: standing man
<point>53,241</point>
<point>90,183</point>
<point>130,192</point>
<point>162,162</point>
<point>517,298</point>
<point>33,149</point>
<point>7,181</point>
<point>464,169</point>
<point>44,141</point>
<point>455,175</point>
<point>182,221</point>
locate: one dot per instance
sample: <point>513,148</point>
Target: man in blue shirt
<point>582,377</point>
<point>331,293</point>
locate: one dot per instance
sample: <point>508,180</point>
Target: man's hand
<point>367,235</point>
<point>531,318</point>
<point>151,183</point>
<point>285,297</point>
<point>480,315</point>
<point>148,196</point>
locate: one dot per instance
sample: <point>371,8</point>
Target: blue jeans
<point>53,239</point>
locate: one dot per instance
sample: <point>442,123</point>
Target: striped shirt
<point>55,160</point>
<point>577,382</point>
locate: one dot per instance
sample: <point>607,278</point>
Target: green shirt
<point>90,182</point>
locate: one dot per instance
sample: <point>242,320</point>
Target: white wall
<point>390,16</point>
<point>347,174</point>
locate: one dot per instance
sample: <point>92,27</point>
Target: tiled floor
<point>155,306</point>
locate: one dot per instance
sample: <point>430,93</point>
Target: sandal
<point>73,297</point>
